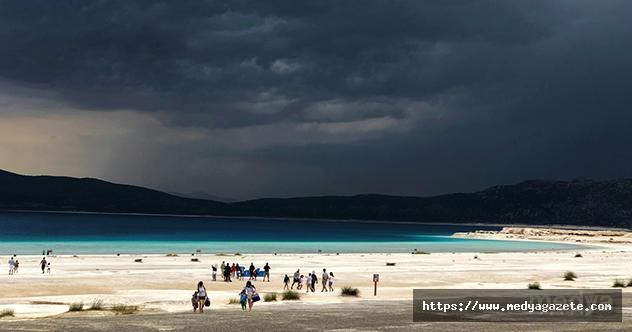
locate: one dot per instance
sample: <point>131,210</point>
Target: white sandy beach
<point>165,284</point>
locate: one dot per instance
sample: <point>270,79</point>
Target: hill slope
<point>579,202</point>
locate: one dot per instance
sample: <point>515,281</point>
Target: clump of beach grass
<point>233,300</point>
<point>195,260</point>
<point>534,285</point>
<point>172,255</point>
<point>618,283</point>
<point>390,264</point>
<point>237,254</point>
<point>291,296</point>
<point>270,297</point>
<point>124,309</point>
<point>570,276</point>
<point>578,255</point>
<point>77,306</point>
<point>221,254</point>
<point>420,253</point>
<point>349,291</point>
<point>7,313</point>
<point>96,305</point>
<point>138,260</point>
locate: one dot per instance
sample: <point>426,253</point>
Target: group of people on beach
<point>229,271</point>
<point>14,265</point>
<point>247,297</point>
<point>327,280</point>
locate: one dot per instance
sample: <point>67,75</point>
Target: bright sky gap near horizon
<point>247,99</point>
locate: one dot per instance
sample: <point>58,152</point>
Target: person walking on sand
<point>243,299</point>
<point>214,272</point>
<point>238,272</point>
<point>11,265</point>
<point>201,291</point>
<point>308,283</point>
<point>227,273</point>
<point>15,267</point>
<point>48,268</point>
<point>43,264</point>
<point>301,281</point>
<point>314,281</point>
<point>195,301</point>
<point>233,271</point>
<point>266,268</point>
<point>251,269</point>
<point>324,280</point>
<point>286,283</point>
<point>251,293</point>
<point>296,278</point>
<point>331,281</point>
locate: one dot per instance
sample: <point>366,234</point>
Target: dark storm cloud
<point>391,96</point>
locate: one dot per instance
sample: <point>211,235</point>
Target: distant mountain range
<point>537,202</point>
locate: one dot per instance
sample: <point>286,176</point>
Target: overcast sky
<point>247,99</point>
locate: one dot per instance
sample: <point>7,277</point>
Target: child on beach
<point>195,301</point>
<point>301,280</point>
<point>243,299</point>
<point>48,268</point>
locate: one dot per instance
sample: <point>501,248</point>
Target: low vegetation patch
<point>291,296</point>
<point>195,260</point>
<point>570,276</point>
<point>233,300</point>
<point>96,305</point>
<point>618,283</point>
<point>172,255</point>
<point>237,254</point>
<point>390,264</point>
<point>138,260</point>
<point>7,313</point>
<point>124,309</point>
<point>578,255</point>
<point>77,306</point>
<point>630,283</point>
<point>420,253</point>
<point>350,291</point>
<point>534,285</point>
<point>270,297</point>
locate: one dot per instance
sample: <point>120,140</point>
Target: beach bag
<point>256,298</point>
<point>207,302</point>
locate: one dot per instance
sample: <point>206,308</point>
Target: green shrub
<point>629,283</point>
<point>534,285</point>
<point>124,309</point>
<point>570,276</point>
<point>7,313</point>
<point>77,306</point>
<point>270,297</point>
<point>618,283</point>
<point>291,296</point>
<point>172,255</point>
<point>350,291</point>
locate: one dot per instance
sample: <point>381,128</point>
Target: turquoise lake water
<point>72,233</point>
